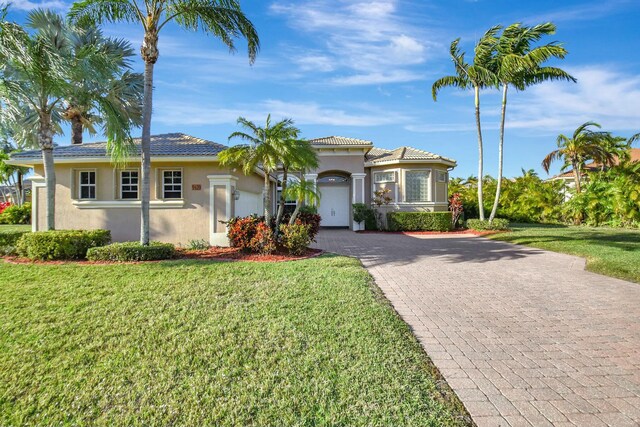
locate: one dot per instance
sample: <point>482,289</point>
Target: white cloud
<point>30,5</point>
<point>173,113</point>
<point>362,42</point>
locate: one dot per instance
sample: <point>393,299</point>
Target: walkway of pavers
<point>524,336</point>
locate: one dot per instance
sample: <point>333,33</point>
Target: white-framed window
<point>416,185</point>
<point>86,185</point>
<point>129,184</point>
<point>380,177</point>
<point>442,176</point>
<point>172,184</point>
<point>289,204</point>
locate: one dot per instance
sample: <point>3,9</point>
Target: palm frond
<point>99,11</point>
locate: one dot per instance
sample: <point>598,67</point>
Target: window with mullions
<point>172,184</point>
<point>129,184</point>
<point>87,185</point>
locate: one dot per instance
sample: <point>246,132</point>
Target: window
<point>87,184</point>
<point>172,184</point>
<point>417,186</point>
<point>442,176</point>
<point>289,204</point>
<point>332,179</point>
<point>129,184</point>
<point>379,177</point>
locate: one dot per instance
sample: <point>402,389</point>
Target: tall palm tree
<point>517,63</point>
<point>296,155</point>
<point>263,149</point>
<point>477,76</point>
<point>32,69</point>
<point>302,192</point>
<point>223,19</point>
<point>585,144</point>
<point>102,88</point>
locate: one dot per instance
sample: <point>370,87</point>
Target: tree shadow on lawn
<point>626,241</point>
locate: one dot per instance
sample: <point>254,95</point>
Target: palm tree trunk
<point>282,200</point>
<point>267,199</point>
<point>76,130</point>
<point>480,154</point>
<point>500,153</point>
<point>45,140</point>
<point>576,177</point>
<point>295,213</point>
<point>20,188</point>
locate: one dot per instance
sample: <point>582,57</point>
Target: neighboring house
<point>569,179</point>
<point>191,193</point>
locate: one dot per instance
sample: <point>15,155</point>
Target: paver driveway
<point>524,336</point>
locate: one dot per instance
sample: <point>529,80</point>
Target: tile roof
<point>634,156</point>
<point>339,140</point>
<point>169,144</point>
<point>381,155</point>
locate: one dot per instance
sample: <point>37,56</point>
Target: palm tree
<point>585,144</point>
<point>302,192</point>
<point>477,76</point>
<point>297,155</point>
<point>516,63</point>
<point>223,19</point>
<point>102,89</point>
<point>33,84</point>
<point>264,149</point>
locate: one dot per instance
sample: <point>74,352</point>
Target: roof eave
<point>31,161</point>
<point>447,162</point>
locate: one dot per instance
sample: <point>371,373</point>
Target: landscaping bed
<point>184,342</point>
<point>235,254</point>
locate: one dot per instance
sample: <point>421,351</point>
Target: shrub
<point>61,244</point>
<point>456,208</point>
<point>363,212</point>
<point>14,214</point>
<point>313,221</point>
<point>419,221</point>
<point>132,251</point>
<point>241,231</point>
<point>295,238</point>
<point>4,205</point>
<point>8,241</point>
<point>263,241</point>
<point>308,209</point>
<point>485,225</point>
<point>198,245</point>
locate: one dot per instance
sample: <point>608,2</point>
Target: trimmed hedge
<point>9,240</point>
<point>132,251</point>
<point>485,225</point>
<point>60,244</point>
<point>419,221</point>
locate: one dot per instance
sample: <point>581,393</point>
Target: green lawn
<point>4,227</point>
<point>611,251</point>
<point>198,343</point>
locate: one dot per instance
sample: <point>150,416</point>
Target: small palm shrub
<point>485,225</point>
<point>61,244</point>
<point>132,252</point>
<point>295,238</point>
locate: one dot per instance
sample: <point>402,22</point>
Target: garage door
<point>334,206</point>
<point>249,204</point>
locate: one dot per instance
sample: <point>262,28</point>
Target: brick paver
<point>524,336</point>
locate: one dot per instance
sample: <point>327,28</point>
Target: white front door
<point>334,206</point>
<point>249,204</point>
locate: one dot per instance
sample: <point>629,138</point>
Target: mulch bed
<point>211,254</point>
<point>234,254</point>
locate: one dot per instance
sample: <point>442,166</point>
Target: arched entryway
<point>335,194</point>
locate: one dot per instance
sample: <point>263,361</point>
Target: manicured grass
<point>198,343</point>
<point>610,251</point>
<point>7,228</point>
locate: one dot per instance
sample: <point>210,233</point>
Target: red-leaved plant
<point>456,208</point>
<point>4,205</point>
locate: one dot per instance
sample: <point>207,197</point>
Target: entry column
<point>357,191</point>
<point>221,188</point>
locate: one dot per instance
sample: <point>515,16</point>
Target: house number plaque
<point>196,187</point>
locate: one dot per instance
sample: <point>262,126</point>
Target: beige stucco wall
<point>168,224</point>
<point>350,163</point>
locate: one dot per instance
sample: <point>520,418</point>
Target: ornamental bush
<point>8,241</point>
<point>295,238</point>
<point>132,251</point>
<point>14,214</point>
<point>263,241</point>
<point>61,244</point>
<point>485,225</point>
<point>241,231</point>
<point>363,212</point>
<point>419,221</point>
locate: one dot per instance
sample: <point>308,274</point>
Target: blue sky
<point>365,69</point>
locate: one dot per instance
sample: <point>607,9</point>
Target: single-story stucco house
<point>191,193</point>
